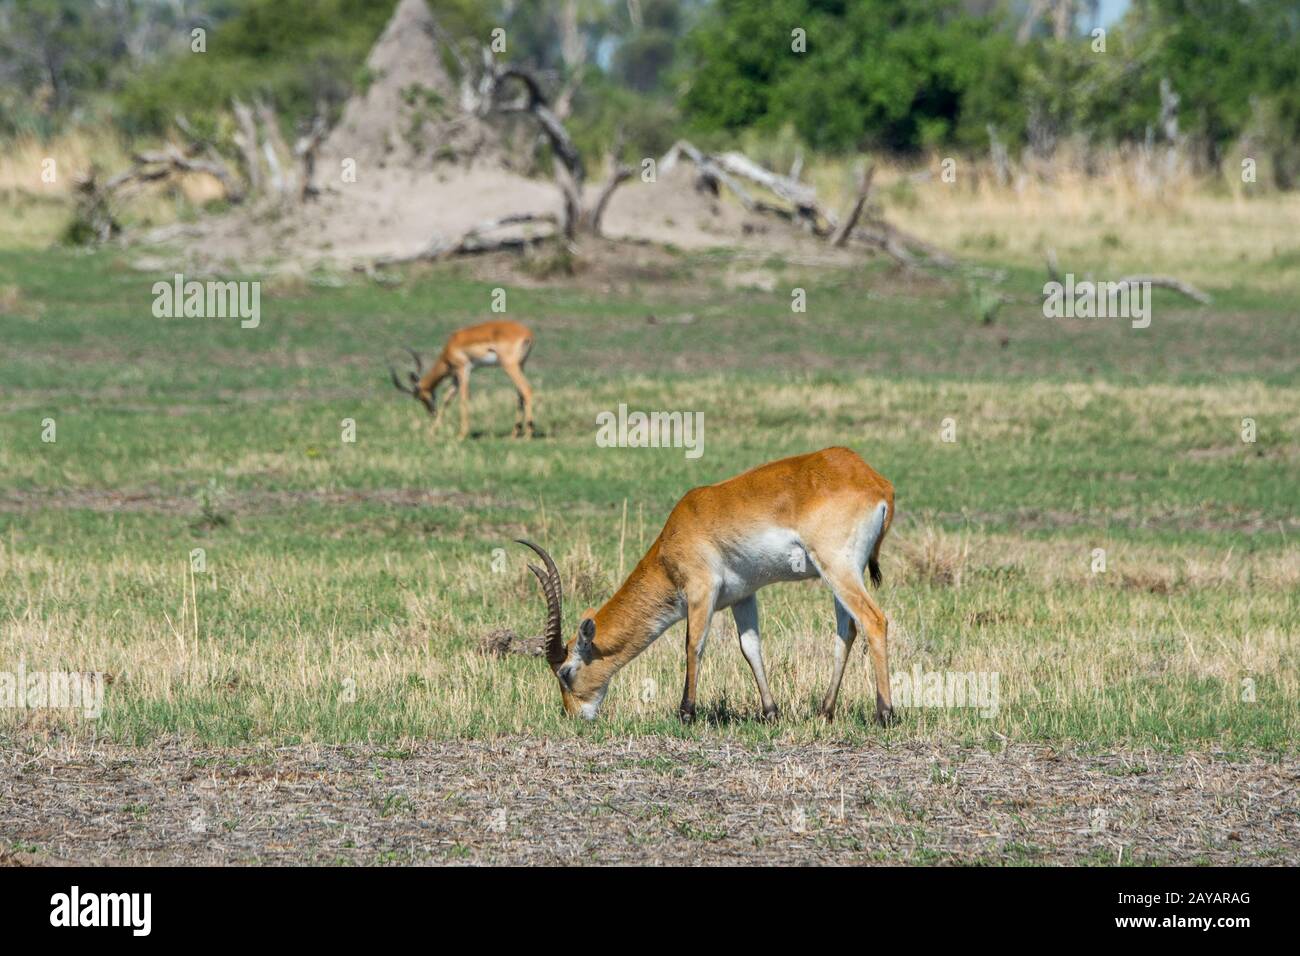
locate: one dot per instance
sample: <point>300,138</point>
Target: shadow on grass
<point>722,713</point>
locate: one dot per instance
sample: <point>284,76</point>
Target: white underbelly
<point>489,358</point>
<point>776,554</point>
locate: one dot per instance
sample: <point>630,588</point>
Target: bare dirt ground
<point>652,800</point>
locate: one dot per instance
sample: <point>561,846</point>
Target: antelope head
<point>582,685</point>
<point>413,388</point>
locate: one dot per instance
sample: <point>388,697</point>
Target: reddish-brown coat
<point>503,343</point>
<point>821,496</point>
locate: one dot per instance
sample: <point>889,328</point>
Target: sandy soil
<point>643,801</point>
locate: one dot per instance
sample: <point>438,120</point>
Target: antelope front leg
<point>698,616</point>
<point>746,615</point>
<point>442,407</point>
<point>462,386</point>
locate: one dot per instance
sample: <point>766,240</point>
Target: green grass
<point>347,585</point>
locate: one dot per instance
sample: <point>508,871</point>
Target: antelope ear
<point>586,634</point>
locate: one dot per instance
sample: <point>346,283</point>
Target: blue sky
<point>1112,10</point>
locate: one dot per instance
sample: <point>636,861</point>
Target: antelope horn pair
<point>550,580</point>
<point>414,387</point>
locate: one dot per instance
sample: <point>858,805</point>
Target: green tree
<point>891,73</point>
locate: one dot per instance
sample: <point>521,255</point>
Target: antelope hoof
<point>826,713</point>
<point>885,716</point>
<point>686,712</point>
<point>771,714</point>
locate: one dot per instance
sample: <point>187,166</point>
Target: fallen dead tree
<point>485,237</point>
<point>1170,283</point>
<point>860,221</point>
<point>1159,281</point>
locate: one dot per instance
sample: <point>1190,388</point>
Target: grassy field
<point>348,585</point>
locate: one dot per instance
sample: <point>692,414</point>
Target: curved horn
<point>400,387</point>
<point>419,366</point>
<point>550,581</point>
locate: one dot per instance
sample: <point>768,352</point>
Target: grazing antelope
<point>506,344</point>
<point>822,514</point>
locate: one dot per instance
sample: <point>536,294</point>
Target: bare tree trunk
<point>1062,19</point>
<point>304,150</point>
<point>283,176</point>
<point>535,103</point>
<point>572,47</point>
<point>619,173</point>
<point>1032,15</point>
<point>802,196</point>
<point>246,140</point>
<point>998,156</point>
<point>570,171</point>
<point>709,171</point>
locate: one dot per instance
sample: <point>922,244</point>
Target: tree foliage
<point>898,74</point>
<point>906,75</point>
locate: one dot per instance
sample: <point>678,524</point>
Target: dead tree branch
<point>800,195</point>
<point>247,141</point>
<point>850,220</point>
<point>570,170</point>
<point>476,240</point>
<point>619,173</point>
<point>710,172</point>
<point>1170,283</point>
<point>304,150</point>
<point>1159,281</point>
<point>535,103</point>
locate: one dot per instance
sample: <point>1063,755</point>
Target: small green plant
<point>211,499</point>
<point>77,232</point>
<point>985,301</point>
<point>395,803</point>
<point>364,79</point>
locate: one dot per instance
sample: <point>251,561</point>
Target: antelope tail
<point>873,561</point>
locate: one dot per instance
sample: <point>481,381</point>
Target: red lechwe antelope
<point>506,344</point>
<point>819,515</point>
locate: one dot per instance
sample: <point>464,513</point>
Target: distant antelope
<point>822,514</point>
<point>506,344</point>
